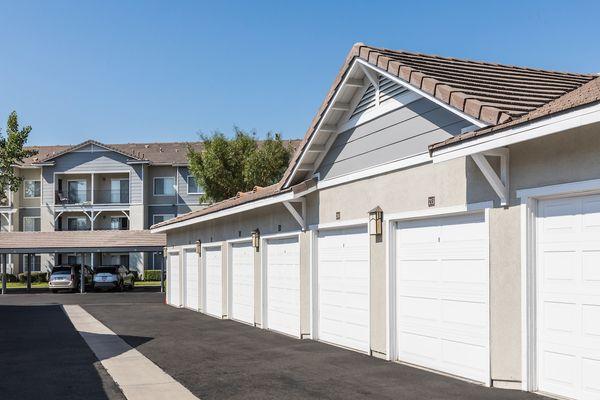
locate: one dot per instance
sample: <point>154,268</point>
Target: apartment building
<point>93,186</point>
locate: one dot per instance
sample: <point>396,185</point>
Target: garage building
<point>441,213</point>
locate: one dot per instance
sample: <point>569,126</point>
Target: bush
<point>10,278</point>
<point>152,275</point>
<point>36,277</point>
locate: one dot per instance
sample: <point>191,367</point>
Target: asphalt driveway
<point>221,359</point>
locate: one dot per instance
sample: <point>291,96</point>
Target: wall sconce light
<point>164,252</point>
<point>199,247</point>
<point>376,221</point>
<point>256,239</point>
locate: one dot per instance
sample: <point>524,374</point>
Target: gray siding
<point>136,184</point>
<point>160,172</point>
<point>399,134</point>
<point>182,188</point>
<point>153,210</point>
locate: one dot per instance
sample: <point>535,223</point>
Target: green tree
<point>12,152</point>
<point>225,167</point>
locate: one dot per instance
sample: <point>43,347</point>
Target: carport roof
<point>80,241</point>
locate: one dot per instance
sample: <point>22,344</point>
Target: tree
<point>13,152</point>
<point>225,167</point>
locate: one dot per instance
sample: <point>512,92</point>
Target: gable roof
<point>497,95</point>
<point>488,92</point>
<point>166,153</point>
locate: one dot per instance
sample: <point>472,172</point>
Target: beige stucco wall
<point>268,220</point>
<point>29,175</point>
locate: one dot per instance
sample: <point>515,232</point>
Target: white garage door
<point>192,280</point>
<point>242,282</point>
<point>442,274</point>
<point>343,296</point>
<point>568,310</point>
<point>283,286</point>
<point>213,281</point>
<point>174,280</point>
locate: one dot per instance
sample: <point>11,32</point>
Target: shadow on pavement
<point>34,290</point>
<point>43,356</point>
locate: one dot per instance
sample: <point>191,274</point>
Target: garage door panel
<point>242,282</point>
<point>191,280</point>
<point>442,294</point>
<point>214,281</point>
<point>174,280</point>
<point>343,281</point>
<point>568,244</point>
<point>283,286</point>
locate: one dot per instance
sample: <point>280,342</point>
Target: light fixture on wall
<point>256,239</point>
<point>376,221</point>
<point>199,247</point>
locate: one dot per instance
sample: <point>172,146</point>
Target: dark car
<point>113,277</point>
<point>69,277</point>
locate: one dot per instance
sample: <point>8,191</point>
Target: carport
<point>79,242</point>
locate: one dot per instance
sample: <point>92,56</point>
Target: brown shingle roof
<point>585,94</point>
<point>169,153</point>
<point>77,240</point>
<point>491,93</point>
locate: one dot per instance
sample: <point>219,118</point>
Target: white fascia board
<point>411,161</point>
<point>229,211</point>
<point>547,126</point>
<point>321,123</point>
<point>407,85</point>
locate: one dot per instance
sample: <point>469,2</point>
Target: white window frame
<point>162,215</point>
<point>25,182</point>
<point>112,180</point>
<point>31,218</point>
<point>187,181</point>
<point>164,195</point>
<point>77,218</point>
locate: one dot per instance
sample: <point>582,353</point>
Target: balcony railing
<point>99,196</point>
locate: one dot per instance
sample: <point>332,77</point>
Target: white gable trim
<point>323,122</point>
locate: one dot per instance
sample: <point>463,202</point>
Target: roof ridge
<point>487,63</point>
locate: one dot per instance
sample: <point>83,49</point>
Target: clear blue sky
<point>133,71</point>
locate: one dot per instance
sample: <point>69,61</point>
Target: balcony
<point>84,196</point>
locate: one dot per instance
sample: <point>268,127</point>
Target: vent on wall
<point>387,90</point>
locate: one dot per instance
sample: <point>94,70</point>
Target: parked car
<point>69,277</point>
<point>113,277</point>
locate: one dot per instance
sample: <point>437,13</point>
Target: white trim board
<point>407,162</point>
<point>340,224</point>
<point>557,123</point>
<point>439,211</point>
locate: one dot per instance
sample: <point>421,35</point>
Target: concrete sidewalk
<point>138,377</point>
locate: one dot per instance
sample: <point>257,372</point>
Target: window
<point>37,262</point>
<point>119,191</point>
<point>77,224</point>
<point>32,189</point>
<point>77,191</point>
<point>193,187</point>
<point>31,224</point>
<point>164,186</point>
<point>157,261</point>
<point>158,218</point>
<point>119,223</point>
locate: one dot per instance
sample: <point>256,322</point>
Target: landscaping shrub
<point>152,275</point>
<point>36,277</point>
